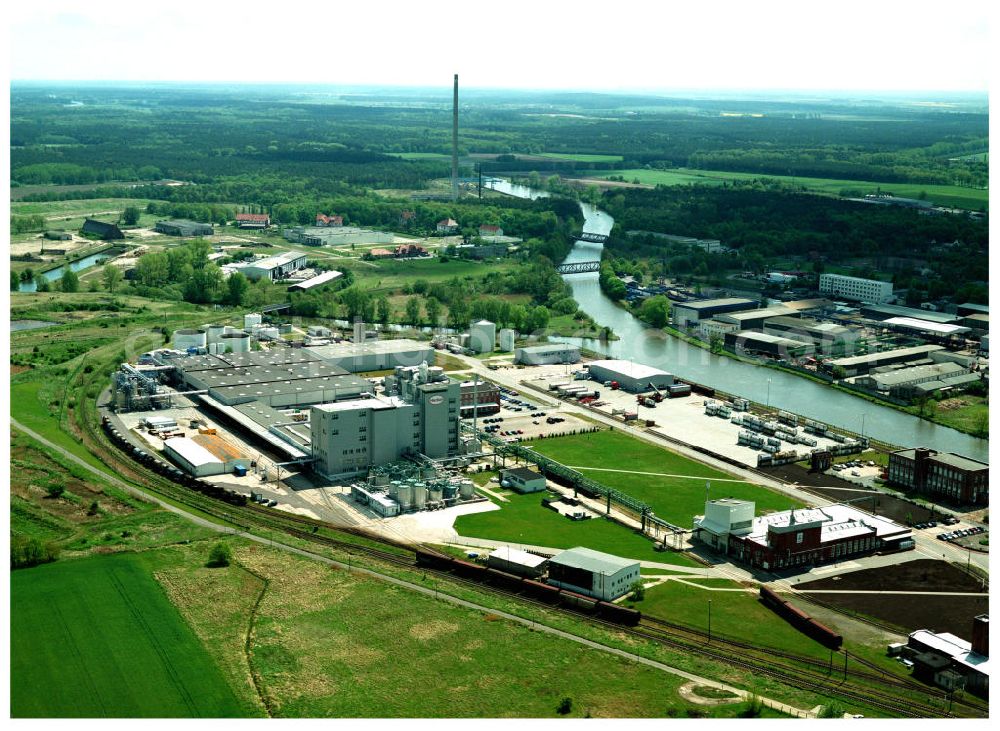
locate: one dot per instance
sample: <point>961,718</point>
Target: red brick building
<point>958,478</point>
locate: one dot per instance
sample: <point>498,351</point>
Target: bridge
<point>579,267</point>
<point>592,237</point>
<point>276,308</point>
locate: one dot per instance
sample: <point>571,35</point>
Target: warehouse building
<point>517,562</point>
<point>795,538</point>
<point>969,308</point>
<point>900,383</point>
<point>418,416</point>
<point>940,656</point>
<point>772,346</point>
<point>335,236</point>
<point>205,454</point>
<point>548,354</point>
<point>755,319</point>
<point>925,329</point>
<point>860,364</point>
<point>886,312</point>
<point>374,355</point>
<point>276,267</point>
<point>708,329</point>
<point>855,288</point>
<point>105,231</point>
<point>633,377</point>
<point>593,573</point>
<point>317,281</point>
<point>961,479</point>
<point>253,220</point>
<point>183,227</point>
<point>522,479</point>
<point>826,336</point>
<point>978,323</point>
<point>688,314</point>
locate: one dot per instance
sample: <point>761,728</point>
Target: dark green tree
<point>70,281</point>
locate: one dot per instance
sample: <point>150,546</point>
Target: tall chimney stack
<point>454,143</point>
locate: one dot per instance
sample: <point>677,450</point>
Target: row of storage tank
<point>213,339</point>
<point>415,495</point>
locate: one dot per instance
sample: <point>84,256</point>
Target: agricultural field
<point>392,275</point>
<point>941,195</point>
<point>579,157</point>
<point>98,637</point>
<point>522,519</point>
<point>676,495</point>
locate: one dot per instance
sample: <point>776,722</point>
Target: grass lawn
<point>421,155</point>
<point>524,520</point>
<point>391,275</point>
<point>942,195</point>
<point>970,414</point>
<point>580,157</point>
<point>98,637</point>
<point>675,499</point>
<point>36,410</point>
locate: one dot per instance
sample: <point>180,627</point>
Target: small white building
<point>275,267</point>
<point>522,479</point>
<point>593,573</point>
<point>518,562</point>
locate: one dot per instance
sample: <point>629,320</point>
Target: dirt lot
<point>943,614</point>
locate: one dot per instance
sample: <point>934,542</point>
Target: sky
<point>904,45</point>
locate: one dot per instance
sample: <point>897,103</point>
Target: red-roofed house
<point>447,226</point>
<point>330,221</point>
<point>490,230</point>
<point>409,250</point>
<point>253,220</point>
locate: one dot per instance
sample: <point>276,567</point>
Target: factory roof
<point>875,357</point>
<point>523,473</point>
<point>943,642</point>
<point>273,262</point>
<point>984,309</point>
<point>809,304</point>
<point>908,375</point>
<point>595,561</point>
<point>375,404</point>
<point>962,380</point>
<point>217,446</point>
<point>256,428</point>
<point>775,311</point>
<point>768,338</point>
<point>324,278</point>
<point>274,357</point>
<point>369,347</point>
<point>280,422</point>
<point>266,374</point>
<point>629,369</point>
<point>191,452</point>
<point>887,311</point>
<point>939,328</point>
<point>836,522</point>
<point>522,558</point>
<point>962,463</point>
<point>723,302</point>
<point>347,382</point>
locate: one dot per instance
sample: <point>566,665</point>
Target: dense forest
<point>94,135</point>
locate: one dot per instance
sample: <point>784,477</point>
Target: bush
<point>565,706</point>
<point>831,711</point>
<point>95,507</point>
<point>220,555</point>
<point>55,489</point>
<point>25,552</point>
<point>638,592</point>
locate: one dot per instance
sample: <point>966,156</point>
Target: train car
<point>824,635</point>
<point>578,602</point>
<point>502,579</point>
<point>538,590</point>
<point>618,614</point>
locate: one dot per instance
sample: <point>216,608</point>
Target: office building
<point>855,288</point>
<point>963,480</point>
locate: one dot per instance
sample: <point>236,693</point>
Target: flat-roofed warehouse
<point>548,354</point>
<point>690,313</point>
<point>886,312</point>
<point>633,377</point>
<point>183,227</point>
<point>773,345</point>
<point>374,355</point>
<point>517,562</point>
<point>275,267</point>
<point>204,454</point>
<point>925,328</point>
<point>593,573</point>
<point>755,319</point>
<point>861,364</point>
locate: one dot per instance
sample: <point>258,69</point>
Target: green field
<point>524,520</point>
<point>675,499</point>
<point>421,155</point>
<point>942,195</point>
<point>391,275</point>
<point>583,157</point>
<point>97,637</point>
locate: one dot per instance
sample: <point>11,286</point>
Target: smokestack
<point>454,143</point>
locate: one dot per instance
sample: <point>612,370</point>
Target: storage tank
<point>507,338</point>
<point>428,473</point>
<point>267,333</point>
<point>420,496</point>
<point>467,489</point>
<point>215,332</point>
<point>482,336</point>
<point>393,486</point>
<point>252,319</point>
<point>187,338</point>
<point>449,491</point>
<point>405,496</point>
<point>215,348</point>
<point>236,342</point>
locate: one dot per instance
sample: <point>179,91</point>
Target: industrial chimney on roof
<point>454,143</point>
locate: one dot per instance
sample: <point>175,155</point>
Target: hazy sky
<point>628,44</point>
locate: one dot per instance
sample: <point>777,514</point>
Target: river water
<point>652,347</point>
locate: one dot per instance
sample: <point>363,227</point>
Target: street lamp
<point>863,424</point>
<point>768,393</point>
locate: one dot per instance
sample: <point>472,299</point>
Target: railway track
<point>804,674</point>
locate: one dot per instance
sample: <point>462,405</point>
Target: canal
<point>643,344</point>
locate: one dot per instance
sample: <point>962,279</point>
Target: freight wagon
<point>800,620</point>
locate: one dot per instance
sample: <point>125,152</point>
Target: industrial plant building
<point>862,364</point>
<point>755,319</point>
<point>795,538</point>
<point>332,235</point>
<point>548,354</point>
<point>827,337</point>
<point>633,377</point>
<point>757,343</point>
<point>687,314</point>
<point>253,220</point>
<point>886,312</point>
<point>419,417</point>
<point>515,561</point>
<point>961,479</point>
<point>906,382</point>
<point>182,227</point>
<point>317,281</point>
<point>522,479</point>
<point>374,355</point>
<point>855,288</point>
<point>276,267</point>
<point>949,661</point>
<point>479,398</point>
<point>593,573</point>
<point>204,455</point>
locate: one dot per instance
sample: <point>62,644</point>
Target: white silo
<point>507,338</point>
<point>252,319</point>
<point>359,332</point>
<point>482,336</point>
<point>236,342</point>
<point>187,338</point>
<point>215,332</point>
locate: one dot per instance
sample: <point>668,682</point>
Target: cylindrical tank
<point>184,339</point>
<point>267,333</point>
<point>381,478</point>
<point>251,319</point>
<point>435,373</point>
<point>405,497</point>
<point>435,493</point>
<point>428,473</point>
<point>215,332</point>
<point>450,491</point>
<point>215,348</point>
<point>419,496</point>
<point>467,489</point>
<point>393,486</point>
<point>507,338</point>
<point>236,342</point>
<point>482,336</point>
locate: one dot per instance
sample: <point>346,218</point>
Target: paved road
<point>743,694</point>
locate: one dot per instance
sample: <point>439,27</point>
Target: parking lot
<point>522,418</point>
